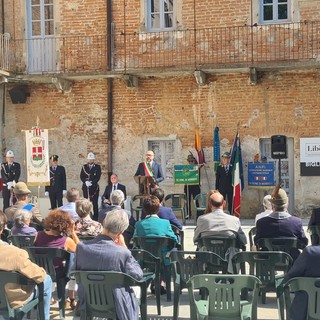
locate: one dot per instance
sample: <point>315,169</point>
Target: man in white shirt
<point>267,208</point>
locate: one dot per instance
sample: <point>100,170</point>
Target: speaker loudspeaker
<point>19,94</point>
<point>279,147</point>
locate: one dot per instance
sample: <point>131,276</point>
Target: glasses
<point>149,155</point>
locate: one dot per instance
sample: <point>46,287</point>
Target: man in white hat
<point>90,176</point>
<point>10,174</point>
<point>280,223</point>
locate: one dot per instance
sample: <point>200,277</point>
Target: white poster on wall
<point>310,156</point>
<point>37,155</point>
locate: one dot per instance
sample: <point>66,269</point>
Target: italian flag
<point>236,182</point>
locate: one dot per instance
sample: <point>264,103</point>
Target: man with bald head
<point>216,222</point>
<point>150,168</point>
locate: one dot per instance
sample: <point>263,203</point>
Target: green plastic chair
<point>312,287</point>
<point>314,234</point>
<point>21,241</point>
<point>150,264</point>
<point>224,298</point>
<point>177,202</point>
<point>218,245</point>
<point>45,257</point>
<point>99,298</point>
<point>180,234</point>
<point>284,244</point>
<point>17,314</point>
<point>200,202</point>
<point>265,265</point>
<point>136,206</point>
<point>251,234</point>
<point>156,245</point>
<point>186,264</point>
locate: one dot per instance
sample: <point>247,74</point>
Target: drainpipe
<point>110,89</point>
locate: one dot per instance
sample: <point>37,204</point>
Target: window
<point>274,11</point>
<point>160,15</point>
<point>164,151</point>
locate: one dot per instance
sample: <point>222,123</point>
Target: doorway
<point>287,167</point>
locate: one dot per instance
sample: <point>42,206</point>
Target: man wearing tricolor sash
<point>150,168</point>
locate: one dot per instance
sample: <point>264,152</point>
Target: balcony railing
<point>4,52</point>
<point>229,47</point>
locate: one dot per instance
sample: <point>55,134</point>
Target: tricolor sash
<point>149,173</point>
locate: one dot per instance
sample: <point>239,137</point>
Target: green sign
<point>186,174</point>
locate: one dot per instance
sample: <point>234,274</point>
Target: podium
<point>144,183</point>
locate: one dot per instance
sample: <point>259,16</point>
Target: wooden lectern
<point>144,183</point>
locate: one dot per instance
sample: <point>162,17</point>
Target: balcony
<point>4,53</point>
<point>279,45</point>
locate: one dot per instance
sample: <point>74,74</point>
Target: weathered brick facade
<point>166,104</point>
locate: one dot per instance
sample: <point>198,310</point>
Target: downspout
<point>110,89</point>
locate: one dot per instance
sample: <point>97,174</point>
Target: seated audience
<point>72,197</point>
<point>108,252</point>
<point>215,222</point>
<point>16,259</point>
<point>59,233</point>
<point>280,223</point>
<point>164,212</point>
<point>152,225</point>
<point>85,226</point>
<point>117,198</point>
<point>267,208</point>
<point>22,219</point>
<point>306,265</point>
<point>22,193</point>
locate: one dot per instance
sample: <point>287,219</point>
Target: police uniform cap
<point>54,157</point>
<point>226,155</point>
<point>10,154</point>
<point>91,156</point>
<point>191,157</point>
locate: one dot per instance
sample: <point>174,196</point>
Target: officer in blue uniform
<point>58,183</point>
<point>90,175</point>
<point>10,174</point>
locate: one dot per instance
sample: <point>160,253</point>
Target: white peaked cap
<point>90,156</point>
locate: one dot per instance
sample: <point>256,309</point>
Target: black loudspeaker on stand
<point>279,149</point>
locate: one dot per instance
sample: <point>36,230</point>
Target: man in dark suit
<point>280,223</point>
<point>58,183</point>
<point>224,180</point>
<point>10,174</point>
<point>164,212</point>
<point>152,169</point>
<point>90,175</point>
<point>114,185</point>
<point>194,189</point>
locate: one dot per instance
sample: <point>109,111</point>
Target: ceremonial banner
<point>261,174</point>
<point>198,147</point>
<point>216,148</point>
<point>37,155</point>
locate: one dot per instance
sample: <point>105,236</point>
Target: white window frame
<point>162,16</point>
<point>275,6</point>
